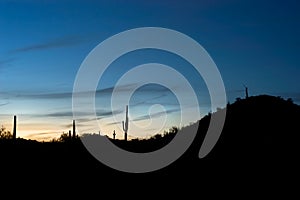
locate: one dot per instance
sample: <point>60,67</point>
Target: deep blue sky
<point>43,43</point>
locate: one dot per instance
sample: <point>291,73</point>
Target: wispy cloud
<point>3,104</point>
<point>147,117</point>
<point>155,115</point>
<point>104,91</point>
<point>148,101</point>
<point>55,43</point>
<point>100,114</point>
<point>5,61</point>
<point>65,95</point>
<point>70,125</point>
<point>61,114</point>
<point>42,133</point>
<point>113,123</point>
<point>104,113</point>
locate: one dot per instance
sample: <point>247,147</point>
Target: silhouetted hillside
<point>265,124</point>
<point>255,127</point>
<point>258,127</point>
<point>260,138</point>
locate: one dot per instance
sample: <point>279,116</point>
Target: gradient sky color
<point>43,43</point>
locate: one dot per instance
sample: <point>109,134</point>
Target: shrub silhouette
<point>4,134</point>
<point>64,137</point>
<point>153,143</point>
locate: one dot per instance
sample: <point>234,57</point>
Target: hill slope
<point>260,126</point>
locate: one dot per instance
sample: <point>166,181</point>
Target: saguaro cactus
<point>125,124</point>
<point>114,134</point>
<point>15,128</point>
<point>246,92</point>
<point>74,129</point>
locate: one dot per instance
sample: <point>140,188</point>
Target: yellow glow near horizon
<point>46,132</point>
<point>47,129</point>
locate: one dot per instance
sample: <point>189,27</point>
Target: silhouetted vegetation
<point>5,134</point>
<point>65,137</point>
<point>153,143</point>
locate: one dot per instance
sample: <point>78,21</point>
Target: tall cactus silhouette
<point>15,128</point>
<point>74,129</point>
<point>125,124</point>
<point>246,92</point>
<point>114,134</point>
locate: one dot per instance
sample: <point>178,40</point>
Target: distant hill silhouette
<point>259,126</point>
<point>255,127</point>
<point>260,138</point>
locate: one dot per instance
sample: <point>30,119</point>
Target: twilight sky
<point>43,43</point>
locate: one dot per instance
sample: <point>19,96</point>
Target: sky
<point>43,44</point>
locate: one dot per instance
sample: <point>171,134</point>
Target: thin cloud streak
<point>4,63</point>
<point>156,115</point>
<point>66,95</point>
<point>43,133</point>
<point>69,114</point>
<point>147,100</point>
<point>147,117</point>
<point>3,104</point>
<point>113,123</point>
<point>56,43</point>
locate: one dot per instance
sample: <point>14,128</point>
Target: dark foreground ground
<point>69,167</point>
